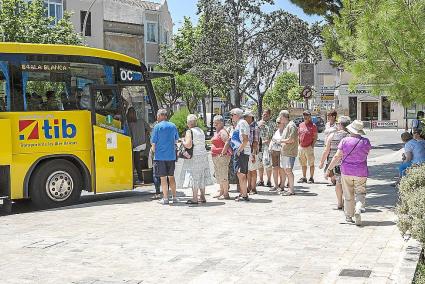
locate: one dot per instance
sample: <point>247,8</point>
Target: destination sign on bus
<point>46,67</point>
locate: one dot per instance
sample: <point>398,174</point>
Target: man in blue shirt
<point>164,138</point>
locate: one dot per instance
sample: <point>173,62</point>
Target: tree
<point>243,17</point>
<point>285,89</point>
<point>178,57</point>
<point>22,21</point>
<point>284,37</point>
<point>322,7</point>
<point>381,43</point>
<point>192,90</point>
<point>189,88</point>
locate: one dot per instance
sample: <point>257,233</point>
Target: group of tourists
<point>262,154</point>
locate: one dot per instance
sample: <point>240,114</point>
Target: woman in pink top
<point>221,154</point>
<point>353,152</point>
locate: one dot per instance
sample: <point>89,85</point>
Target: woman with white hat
<point>353,152</point>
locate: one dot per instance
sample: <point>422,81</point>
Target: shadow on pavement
<point>126,197</point>
<point>385,172</point>
<point>377,223</point>
<point>382,195</point>
<point>267,193</point>
<point>394,147</point>
<point>207,204</point>
<point>258,200</point>
<point>304,193</point>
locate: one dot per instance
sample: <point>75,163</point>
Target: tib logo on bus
<point>46,129</point>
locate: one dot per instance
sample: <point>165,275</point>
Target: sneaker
<point>349,219</point>
<point>260,183</point>
<point>302,180</point>
<point>310,180</point>
<point>138,182</point>
<point>274,189</point>
<point>358,218</point>
<point>163,201</point>
<point>269,184</point>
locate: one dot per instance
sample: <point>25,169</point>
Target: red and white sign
<point>385,124</point>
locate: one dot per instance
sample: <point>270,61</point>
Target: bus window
<point>4,87</point>
<point>56,86</point>
<point>42,85</point>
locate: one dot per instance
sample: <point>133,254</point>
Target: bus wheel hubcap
<point>59,186</point>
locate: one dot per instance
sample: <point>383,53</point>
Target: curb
<point>406,268</point>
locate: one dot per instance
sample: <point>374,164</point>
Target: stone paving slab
<point>271,239</point>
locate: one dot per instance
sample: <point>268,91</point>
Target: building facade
<point>333,91</point>
<point>132,27</point>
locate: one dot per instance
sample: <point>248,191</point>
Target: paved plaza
<point>127,238</point>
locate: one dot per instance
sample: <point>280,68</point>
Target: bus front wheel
<point>55,183</point>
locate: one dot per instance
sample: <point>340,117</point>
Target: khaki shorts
<point>221,168</point>
<point>306,156</point>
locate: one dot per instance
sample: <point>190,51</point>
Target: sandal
<point>190,201</point>
<point>203,201</point>
<point>287,193</point>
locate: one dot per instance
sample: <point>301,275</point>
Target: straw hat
<point>356,127</point>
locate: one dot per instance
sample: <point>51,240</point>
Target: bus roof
<point>59,49</point>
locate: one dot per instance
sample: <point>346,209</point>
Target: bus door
<point>112,146</point>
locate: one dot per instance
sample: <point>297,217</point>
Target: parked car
<point>320,123</point>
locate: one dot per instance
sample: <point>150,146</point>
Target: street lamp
<point>85,20</point>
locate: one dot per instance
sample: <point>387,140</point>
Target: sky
<point>181,8</point>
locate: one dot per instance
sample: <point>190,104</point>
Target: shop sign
<point>327,97</point>
<point>385,124</point>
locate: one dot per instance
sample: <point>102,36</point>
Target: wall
<point>75,6</point>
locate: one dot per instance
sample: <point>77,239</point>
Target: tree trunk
<point>204,110</point>
<point>260,104</point>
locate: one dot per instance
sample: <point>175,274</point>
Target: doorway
<point>369,111</point>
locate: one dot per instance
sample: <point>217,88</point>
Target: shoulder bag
<point>185,153</point>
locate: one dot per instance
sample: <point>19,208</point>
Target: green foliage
<point>22,21</point>
<point>411,208</point>
<point>191,89</point>
<point>179,56</point>
<point>420,273</point>
<point>285,90</point>
<point>180,120</point>
<point>381,43</point>
<point>323,7</point>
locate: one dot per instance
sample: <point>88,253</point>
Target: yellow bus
<point>63,121</point>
